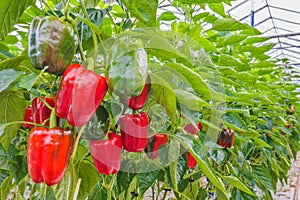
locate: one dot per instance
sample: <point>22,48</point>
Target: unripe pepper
<point>40,112</point>
<point>155,142</point>
<point>134,131</point>
<point>226,138</point>
<point>107,154</point>
<point>80,93</point>
<point>137,102</point>
<point>52,43</point>
<point>28,117</point>
<point>48,154</point>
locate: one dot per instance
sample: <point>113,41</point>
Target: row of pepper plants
<point>129,100</point>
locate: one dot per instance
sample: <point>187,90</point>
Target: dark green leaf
<point>145,180</point>
<point>7,77</point>
<point>235,120</point>
<point>235,182</point>
<point>6,186</point>
<point>88,174</point>
<point>11,10</point>
<point>124,179</point>
<point>12,104</point>
<point>240,195</point>
<point>262,175</point>
<point>12,62</point>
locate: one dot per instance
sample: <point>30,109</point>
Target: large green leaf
<point>11,10</point>
<point>145,180</point>
<point>235,120</point>
<point>236,182</point>
<point>88,175</point>
<point>144,10</point>
<point>7,77</point>
<point>190,100</point>
<point>12,104</point>
<point>229,24</point>
<point>262,175</point>
<point>12,62</point>
<point>164,94</point>
<point>231,39</point>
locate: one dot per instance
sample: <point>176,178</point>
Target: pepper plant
<point>144,102</point>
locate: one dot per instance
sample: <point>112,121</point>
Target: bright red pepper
<point>48,154</point>
<point>191,161</point>
<point>40,112</point>
<point>80,93</point>
<point>28,117</point>
<point>134,131</point>
<point>157,141</point>
<point>107,154</point>
<point>226,138</point>
<point>137,102</point>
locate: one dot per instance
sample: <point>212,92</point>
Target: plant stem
<point>77,141</point>
<point>76,192</point>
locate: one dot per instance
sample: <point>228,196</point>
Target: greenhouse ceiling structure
<point>275,19</point>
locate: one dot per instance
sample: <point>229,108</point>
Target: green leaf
<point>145,180</point>
<point>12,104</point>
<point>164,94</point>
<point>88,174</point>
<point>6,186</point>
<point>217,8</point>
<point>235,120</point>
<point>186,141</point>
<point>227,60</point>
<point>231,39</point>
<point>240,195</point>
<point>144,10</point>
<point>190,100</point>
<point>7,77</point>
<point>229,24</point>
<point>264,64</point>
<point>124,179</point>
<point>96,17</point>
<point>262,175</point>
<point>12,62</point>
<point>236,182</point>
<point>11,10</point>
<point>167,16</point>
<point>28,81</point>
<point>174,152</point>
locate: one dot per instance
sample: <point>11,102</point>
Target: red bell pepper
<point>28,118</point>
<point>40,112</point>
<point>107,154</point>
<point>48,154</point>
<point>134,131</point>
<point>226,138</point>
<point>80,93</point>
<point>137,102</point>
<point>190,128</point>
<point>155,142</point>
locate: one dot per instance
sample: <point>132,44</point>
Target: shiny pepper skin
<point>28,118</point>
<point>48,154</point>
<point>40,112</point>
<point>80,93</point>
<point>190,128</point>
<point>107,154</point>
<point>52,43</point>
<point>226,138</point>
<point>155,143</point>
<point>137,102</point>
<point>134,131</point>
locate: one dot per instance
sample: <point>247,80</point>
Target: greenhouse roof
<point>276,19</point>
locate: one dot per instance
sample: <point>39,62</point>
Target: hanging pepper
<point>137,102</point>
<point>40,112</point>
<point>48,154</point>
<point>80,93</point>
<point>155,142</point>
<point>52,43</point>
<point>107,154</point>
<point>28,118</point>
<point>226,138</point>
<point>134,131</point>
<point>190,128</point>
